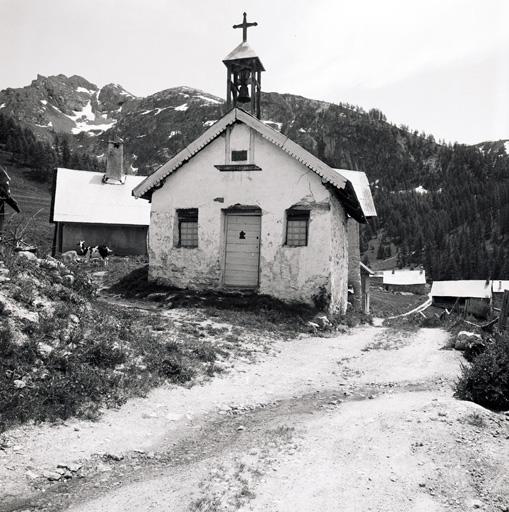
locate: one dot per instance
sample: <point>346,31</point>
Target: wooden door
<point>242,252</point>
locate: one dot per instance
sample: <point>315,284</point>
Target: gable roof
<point>479,289</point>
<point>360,184</point>
<point>340,183</point>
<point>81,196</point>
<point>404,277</point>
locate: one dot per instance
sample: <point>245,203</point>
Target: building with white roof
<point>99,208</point>
<point>463,289</point>
<point>405,280</point>
<point>470,296</point>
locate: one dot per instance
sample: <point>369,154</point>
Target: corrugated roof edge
<point>280,140</point>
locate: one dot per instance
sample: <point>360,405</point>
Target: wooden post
<point>258,94</point>
<point>228,90</point>
<point>504,311</point>
<point>253,90</point>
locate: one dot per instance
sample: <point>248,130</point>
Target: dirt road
<point>360,422</point>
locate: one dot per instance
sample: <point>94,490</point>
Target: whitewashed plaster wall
<point>288,273</point>
<point>339,258</point>
<point>354,261</point>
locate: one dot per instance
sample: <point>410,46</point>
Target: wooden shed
<point>466,296</point>
<point>413,281</point>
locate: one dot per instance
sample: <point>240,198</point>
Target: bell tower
<point>244,75</point>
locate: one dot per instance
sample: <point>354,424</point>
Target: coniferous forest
<point>41,156</point>
<point>443,206</point>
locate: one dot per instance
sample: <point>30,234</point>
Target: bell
<point>243,96</point>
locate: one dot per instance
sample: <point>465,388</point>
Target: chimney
<point>115,162</point>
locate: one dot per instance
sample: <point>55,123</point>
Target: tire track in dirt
<point>214,437</point>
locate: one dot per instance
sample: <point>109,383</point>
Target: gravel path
<point>364,421</point>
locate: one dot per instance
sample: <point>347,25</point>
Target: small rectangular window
<point>239,156</point>
<point>188,227</point>
<point>297,226</point>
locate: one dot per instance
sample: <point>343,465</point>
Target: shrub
<point>206,352</point>
<point>174,364</point>
<point>102,353</point>
<point>24,292</point>
<point>486,379</point>
<point>475,349</point>
<point>6,336</point>
<point>83,285</point>
<point>177,367</point>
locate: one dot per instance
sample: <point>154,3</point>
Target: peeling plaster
<point>288,273</point>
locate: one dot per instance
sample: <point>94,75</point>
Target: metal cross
<point>244,26</point>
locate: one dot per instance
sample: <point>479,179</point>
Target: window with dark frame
<point>239,156</point>
<point>297,228</point>
<point>187,227</point>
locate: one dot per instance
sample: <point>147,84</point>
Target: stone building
<point>99,208</point>
<point>244,207</point>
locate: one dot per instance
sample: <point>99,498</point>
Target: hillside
<point>441,205</point>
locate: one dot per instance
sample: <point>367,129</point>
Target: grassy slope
<point>384,304</point>
<point>64,353</point>
<point>34,198</point>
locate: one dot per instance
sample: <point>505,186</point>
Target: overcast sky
<point>440,66</point>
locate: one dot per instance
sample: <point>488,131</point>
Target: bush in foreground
<point>485,380</point>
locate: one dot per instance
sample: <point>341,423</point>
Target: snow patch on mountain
<point>85,120</point>
<point>210,100</point>
<point>86,91</point>
<point>159,110</point>
<point>2,105</point>
<point>86,113</point>
<point>273,124</point>
<point>182,108</point>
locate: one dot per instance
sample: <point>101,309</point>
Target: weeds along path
<point>364,421</point>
